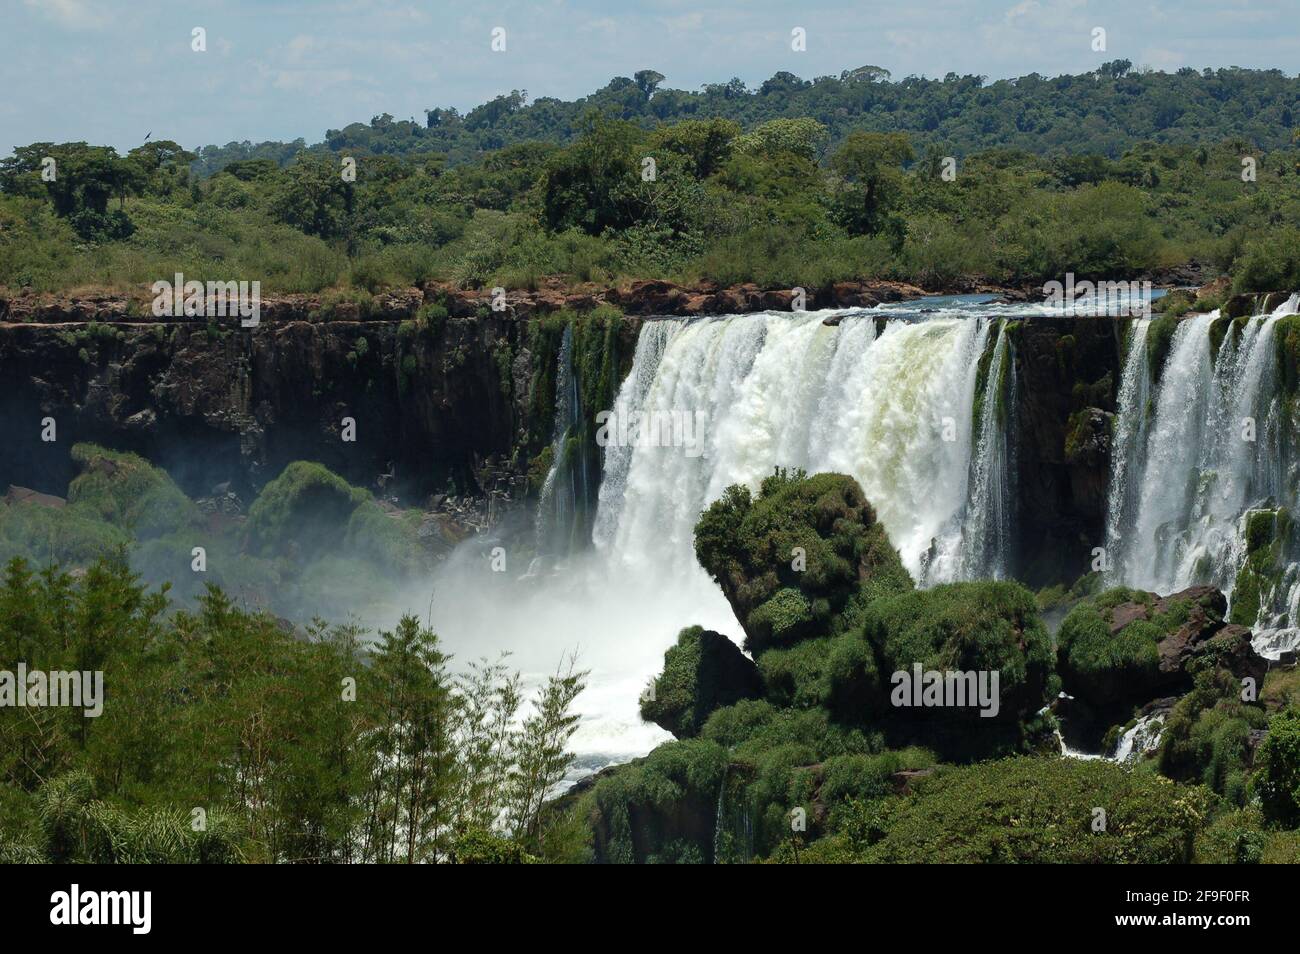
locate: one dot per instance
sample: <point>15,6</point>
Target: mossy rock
<point>1124,648</point>
<point>1261,572</point>
<point>802,559</point>
<point>307,505</point>
<point>1207,737</point>
<point>978,627</point>
<point>702,672</point>
<point>661,808</point>
<point>310,514</point>
<point>128,492</point>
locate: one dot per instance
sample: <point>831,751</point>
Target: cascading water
<point>1195,454</point>
<point>568,484</point>
<point>1130,441</point>
<point>893,410</point>
<point>1144,737</point>
<point>986,538</point>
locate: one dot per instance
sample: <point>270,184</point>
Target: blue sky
<point>112,71</point>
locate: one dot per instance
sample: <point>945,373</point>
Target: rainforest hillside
<point>948,184</point>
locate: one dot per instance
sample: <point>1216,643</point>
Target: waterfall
<point>567,487</point>
<point>650,347</point>
<point>1129,445</point>
<point>1144,737</point>
<point>893,409</point>
<point>1194,453</point>
<point>718,817</point>
<point>1166,480</point>
<point>986,538</point>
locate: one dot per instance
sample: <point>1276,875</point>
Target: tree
<point>870,165</point>
<point>84,179</point>
<point>313,198</point>
<point>417,769</point>
<point>705,143</point>
<point>585,185</point>
<point>164,166</point>
<point>647,81</point>
<point>541,751</point>
<point>801,137</point>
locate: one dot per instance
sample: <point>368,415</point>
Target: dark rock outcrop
<point>445,407</point>
<point>1067,375</point>
<point>1124,648</point>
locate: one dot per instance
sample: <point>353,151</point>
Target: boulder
<point>703,671</point>
<point>800,560</point>
<point>1123,648</point>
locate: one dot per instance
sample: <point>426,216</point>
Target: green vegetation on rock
<point>803,558</point>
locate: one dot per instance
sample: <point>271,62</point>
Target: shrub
<point>1278,761</point>
<point>1043,810</point>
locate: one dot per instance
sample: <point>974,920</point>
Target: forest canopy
<point>946,183</point>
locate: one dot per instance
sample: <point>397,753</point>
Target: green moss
<point>1261,571</point>
<point>387,541</point>
<point>982,371</point>
<point>857,776</point>
<point>1065,346</point>
<point>1098,393</point>
<point>1278,782</point>
<point>1286,334</point>
<point>539,467</point>
<point>597,367</point>
<point>1053,597</point>
<point>1160,336</point>
<point>702,672</point>
<point>72,536</point>
<point>1107,668</point>
<point>989,626</point>
<point>1077,434</point>
<point>839,673</point>
<point>664,801</point>
<point>1206,736</point>
<point>785,615</point>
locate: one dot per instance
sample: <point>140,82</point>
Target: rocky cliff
<point>438,399</point>
<point>1067,377</point>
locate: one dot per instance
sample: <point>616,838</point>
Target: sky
<point>113,71</point>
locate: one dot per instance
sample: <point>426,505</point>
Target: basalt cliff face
<point>443,393</point>
<point>218,403</point>
<point>1067,376</point>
